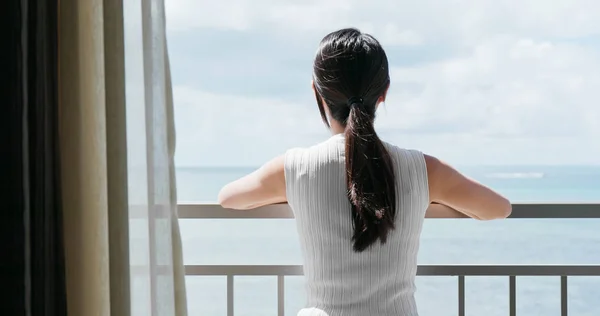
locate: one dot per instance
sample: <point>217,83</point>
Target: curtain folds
<point>116,152</point>
<point>46,220</point>
<point>122,242</point>
<point>89,220</point>
<point>32,265</point>
<point>84,156</point>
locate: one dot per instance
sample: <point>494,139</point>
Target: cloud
<point>505,87</point>
<point>461,19</point>
<point>217,129</point>
<point>472,82</point>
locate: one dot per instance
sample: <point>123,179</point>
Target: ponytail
<point>351,63</point>
<point>369,177</point>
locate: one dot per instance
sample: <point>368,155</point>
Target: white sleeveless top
<point>340,282</point>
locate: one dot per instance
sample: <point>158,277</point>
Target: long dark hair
<point>350,75</point>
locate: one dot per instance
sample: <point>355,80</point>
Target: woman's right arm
<point>449,187</point>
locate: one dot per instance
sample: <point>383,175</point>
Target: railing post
<point>564,310</point>
<point>461,295</point>
<point>230,289</point>
<point>512,285</point>
<point>280,295</point>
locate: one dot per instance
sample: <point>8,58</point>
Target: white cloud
<point>432,19</point>
<point>509,89</point>
<point>194,14</point>
<point>506,86</point>
<point>224,130</point>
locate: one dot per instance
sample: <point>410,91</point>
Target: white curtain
<point>158,288</point>
<point>122,240</point>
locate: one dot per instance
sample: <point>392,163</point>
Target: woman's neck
<point>336,127</point>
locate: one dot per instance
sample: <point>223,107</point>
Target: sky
<point>512,82</point>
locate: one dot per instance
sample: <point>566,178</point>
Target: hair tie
<point>355,101</point>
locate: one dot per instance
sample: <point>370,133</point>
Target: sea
<point>443,241</point>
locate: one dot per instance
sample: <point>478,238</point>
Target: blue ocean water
<point>571,241</point>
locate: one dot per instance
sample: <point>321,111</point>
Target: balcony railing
<point>532,211</point>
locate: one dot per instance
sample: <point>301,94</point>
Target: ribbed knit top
<point>341,282</point>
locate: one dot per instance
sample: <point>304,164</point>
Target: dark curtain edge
<point>48,288</point>
<point>12,224</point>
<point>31,236</point>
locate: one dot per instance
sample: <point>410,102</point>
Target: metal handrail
<point>520,210</point>
<point>280,211</point>
<point>423,270</point>
<point>512,271</point>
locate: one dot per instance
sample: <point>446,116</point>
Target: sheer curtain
<point>155,238</point>
<point>122,243</point>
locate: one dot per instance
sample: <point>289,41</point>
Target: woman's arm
<point>449,187</point>
<point>262,187</point>
<point>436,210</point>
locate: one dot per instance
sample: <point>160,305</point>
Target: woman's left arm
<point>262,187</point>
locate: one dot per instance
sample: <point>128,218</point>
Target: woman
<point>359,202</point>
